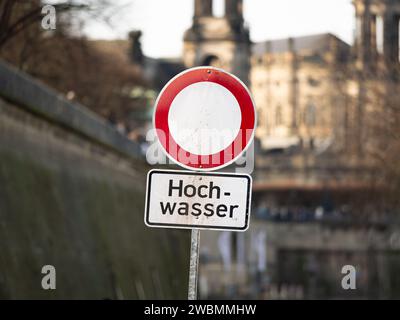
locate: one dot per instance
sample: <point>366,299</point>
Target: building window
<point>398,37</point>
<point>278,116</point>
<point>359,30</point>
<point>313,82</point>
<point>218,8</point>
<point>310,115</point>
<point>373,32</point>
<point>379,34</point>
<point>212,61</point>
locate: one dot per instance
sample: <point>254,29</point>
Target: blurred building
<point>377,34</point>
<point>299,91</point>
<point>223,42</point>
<point>313,205</point>
<point>306,88</point>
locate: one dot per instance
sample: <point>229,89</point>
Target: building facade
<point>309,91</point>
<point>219,41</point>
<point>299,91</point>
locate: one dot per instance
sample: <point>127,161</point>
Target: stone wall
<point>72,196</point>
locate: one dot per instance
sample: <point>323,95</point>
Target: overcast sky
<point>164,21</point>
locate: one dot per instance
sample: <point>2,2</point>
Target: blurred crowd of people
<point>297,213</point>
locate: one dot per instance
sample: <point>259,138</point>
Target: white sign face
<point>197,200</point>
<point>214,115</point>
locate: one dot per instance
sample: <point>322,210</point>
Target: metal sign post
<point>194,264</point>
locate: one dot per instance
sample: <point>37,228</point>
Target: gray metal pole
<point>194,264</point>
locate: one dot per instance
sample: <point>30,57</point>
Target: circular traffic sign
<point>204,118</point>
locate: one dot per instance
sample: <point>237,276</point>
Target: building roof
<point>160,71</point>
<point>316,42</point>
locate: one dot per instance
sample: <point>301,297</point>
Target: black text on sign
<point>181,199</point>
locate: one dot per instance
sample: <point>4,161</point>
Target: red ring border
<point>187,78</point>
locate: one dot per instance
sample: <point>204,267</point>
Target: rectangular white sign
<point>197,200</point>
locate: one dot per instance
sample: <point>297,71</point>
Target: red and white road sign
<point>204,118</point>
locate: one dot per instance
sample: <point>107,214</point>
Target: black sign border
<point>197,173</point>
